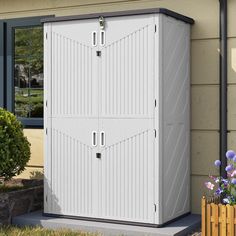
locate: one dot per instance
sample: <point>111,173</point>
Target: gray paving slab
<point>180,227</point>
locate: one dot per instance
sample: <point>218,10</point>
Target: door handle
<point>94,38</point>
<point>102,38</point>
<point>94,138</point>
<point>102,138</point>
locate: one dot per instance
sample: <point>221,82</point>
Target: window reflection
<point>28,72</point>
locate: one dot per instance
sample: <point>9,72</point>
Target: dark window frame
<point>2,58</point>
<point>7,90</point>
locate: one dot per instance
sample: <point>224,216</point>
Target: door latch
<point>98,155</point>
<point>99,53</point>
<point>102,22</point>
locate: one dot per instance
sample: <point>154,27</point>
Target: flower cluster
<point>226,188</point>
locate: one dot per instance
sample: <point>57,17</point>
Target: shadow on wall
<point>51,202</point>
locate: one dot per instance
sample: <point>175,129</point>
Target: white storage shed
<point>117,116</point>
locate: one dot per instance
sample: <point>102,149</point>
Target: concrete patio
<point>183,226</point>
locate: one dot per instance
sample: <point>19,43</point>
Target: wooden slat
<point>216,218</point>
<point>223,224</point>
<point>220,219</point>
<point>213,219</point>
<point>203,216</point>
<point>227,220</point>
<point>230,218</point>
<point>208,221</point>
<point>234,218</point>
<point>234,214</point>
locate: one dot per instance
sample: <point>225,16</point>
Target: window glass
<point>28,72</point>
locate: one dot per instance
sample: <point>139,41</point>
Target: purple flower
<point>230,154</point>
<point>234,159</point>
<point>229,168</point>
<point>225,182</point>
<point>217,163</point>
<point>218,191</point>
<point>233,181</point>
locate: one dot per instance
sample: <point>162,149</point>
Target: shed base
<point>180,227</point>
<point>113,221</point>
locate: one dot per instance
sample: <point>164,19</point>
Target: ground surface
<point>14,231</point>
<point>36,231</point>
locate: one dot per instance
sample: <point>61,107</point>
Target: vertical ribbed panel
<point>126,81</point>
<point>125,179</point>
<point>73,118</point>
<point>126,109</point>
<point>72,90</point>
<point>113,93</point>
<point>72,175</point>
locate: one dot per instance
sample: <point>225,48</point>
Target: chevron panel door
<point>74,117</point>
<point>117,117</point>
<point>126,107</point>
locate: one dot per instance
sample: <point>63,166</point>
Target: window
<point>21,69</point>
<point>28,72</point>
<point>1,64</point>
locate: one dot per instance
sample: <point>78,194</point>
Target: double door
<point>102,118</point>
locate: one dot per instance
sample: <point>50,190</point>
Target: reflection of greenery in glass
<point>28,73</point>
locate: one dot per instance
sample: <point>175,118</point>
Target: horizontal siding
<point>204,62</point>
<point>197,191</point>
<point>232,139</point>
<point>206,27</point>
<point>205,107</point>
<point>204,151</point>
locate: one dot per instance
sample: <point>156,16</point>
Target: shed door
<point>111,95</point>
<point>74,120</point>
<point>126,112</point>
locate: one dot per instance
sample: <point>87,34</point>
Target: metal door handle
<point>102,138</point>
<point>94,138</point>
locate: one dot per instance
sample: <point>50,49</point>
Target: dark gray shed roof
<point>122,13</point>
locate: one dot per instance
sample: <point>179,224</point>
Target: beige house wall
<point>204,73</point>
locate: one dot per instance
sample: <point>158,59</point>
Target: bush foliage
<point>14,146</point>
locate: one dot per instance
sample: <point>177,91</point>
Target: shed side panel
<point>175,136</point>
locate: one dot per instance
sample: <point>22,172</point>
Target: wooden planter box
<point>218,219</point>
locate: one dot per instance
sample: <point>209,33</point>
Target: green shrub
<point>14,147</point>
<point>37,110</point>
